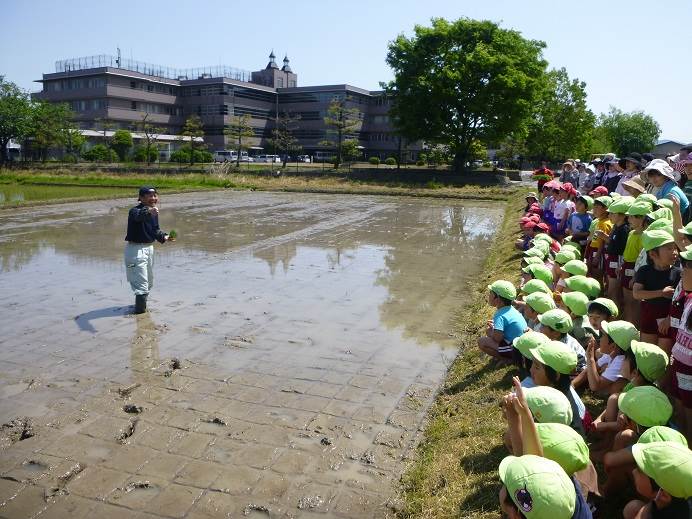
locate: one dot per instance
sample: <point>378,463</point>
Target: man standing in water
<point>142,230</point>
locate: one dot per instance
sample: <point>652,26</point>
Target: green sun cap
<point>571,245</point>
<point>687,253</point>
<point>648,197</point>
<point>541,272</point>
<point>577,303</point>
<point>669,464</point>
<point>663,213</point>
<point>646,405</point>
<point>536,251</point>
<point>504,289</point>
<point>529,340</point>
<point>621,332</point>
<point>621,205</point>
<point>588,200</point>
<point>540,302</point>
<point>661,433</point>
<point>661,225</point>
<point>604,200</point>
<point>548,405</point>
<point>606,303</point>
<point>533,260</point>
<point>543,237</point>
<point>535,285</point>
<point>539,487</point>
<point>557,355</point>
<point>563,445</point>
<point>575,267</point>
<point>565,255</point>
<point>652,361</point>
<point>664,203</point>
<point>557,320</point>
<point>639,208</point>
<point>588,286</point>
<point>656,238</point>
<point>542,245</point>
<point>687,230</point>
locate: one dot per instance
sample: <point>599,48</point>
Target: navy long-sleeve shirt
<point>143,226</point>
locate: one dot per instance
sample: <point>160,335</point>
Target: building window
<point>279,82</point>
<point>133,84</point>
<point>133,105</point>
<point>150,88</point>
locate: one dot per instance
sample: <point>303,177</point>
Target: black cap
<point>145,190</point>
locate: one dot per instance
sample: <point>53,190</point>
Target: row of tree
<point>468,81</point>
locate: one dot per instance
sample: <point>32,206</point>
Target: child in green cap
<point>601,225</point>
<point>535,486</point>
<point>635,216</point>
<point>603,368</point>
<point>506,325</point>
<point>601,309</point>
<point>536,304</point>
<point>654,286</point>
<point>576,305</point>
<point>663,476</point>
<point>557,325</point>
<point>615,246</point>
<point>639,408</point>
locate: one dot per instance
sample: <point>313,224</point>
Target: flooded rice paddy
<point>17,194</point>
<point>293,347</point>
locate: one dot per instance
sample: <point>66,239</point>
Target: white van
<point>268,158</point>
<point>225,156</point>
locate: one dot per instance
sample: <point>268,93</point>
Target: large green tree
<point>459,81</point>
<point>629,131</point>
<point>16,115</point>
<point>342,122</point>
<point>49,123</point>
<point>562,125</point>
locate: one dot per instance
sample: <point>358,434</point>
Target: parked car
<point>303,158</point>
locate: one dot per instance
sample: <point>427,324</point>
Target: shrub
<point>390,161</point>
<point>420,162</point>
<point>375,161</point>
<point>100,153</point>
<point>183,155</point>
<point>69,158</point>
<point>140,154</point>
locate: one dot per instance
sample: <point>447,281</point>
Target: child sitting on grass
<point>506,325</point>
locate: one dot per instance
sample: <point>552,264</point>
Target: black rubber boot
<point>140,303</point>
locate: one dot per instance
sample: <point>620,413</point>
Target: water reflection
<point>419,253</point>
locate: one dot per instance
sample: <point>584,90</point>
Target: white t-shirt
<point>612,372</point>
<point>561,207</point>
<point>603,360</point>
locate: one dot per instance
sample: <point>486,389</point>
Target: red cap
<point>543,226</point>
<point>599,191</point>
<point>552,184</point>
<point>567,187</point>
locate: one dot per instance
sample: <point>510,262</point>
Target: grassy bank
<point>455,472</point>
<point>103,184</point>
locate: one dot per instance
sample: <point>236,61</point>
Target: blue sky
<point>632,54</point>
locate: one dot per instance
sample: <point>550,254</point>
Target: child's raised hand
<point>519,400</point>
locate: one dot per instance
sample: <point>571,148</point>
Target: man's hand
<point>668,292</point>
<point>153,210</point>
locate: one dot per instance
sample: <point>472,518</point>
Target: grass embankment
<point>455,472</point>
<point>103,184</point>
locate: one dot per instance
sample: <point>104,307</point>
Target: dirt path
<point>294,345</point>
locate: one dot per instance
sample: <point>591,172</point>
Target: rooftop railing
<point>104,60</point>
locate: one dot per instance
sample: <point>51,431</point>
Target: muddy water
<point>293,346</point>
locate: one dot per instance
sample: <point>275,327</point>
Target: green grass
<point>18,194</point>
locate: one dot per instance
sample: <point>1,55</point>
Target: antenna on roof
<point>117,60</point>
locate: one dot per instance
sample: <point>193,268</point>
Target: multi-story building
<point>119,92</point>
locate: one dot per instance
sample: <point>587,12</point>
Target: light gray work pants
<point>139,266</point>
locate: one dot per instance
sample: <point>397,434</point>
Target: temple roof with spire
<point>287,66</point>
